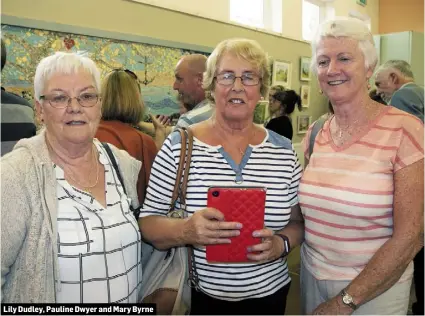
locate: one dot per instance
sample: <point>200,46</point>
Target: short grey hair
<point>351,28</point>
<point>400,65</point>
<point>64,63</point>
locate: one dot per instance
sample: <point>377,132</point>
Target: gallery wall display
<point>281,73</point>
<point>303,123</point>
<point>305,96</point>
<point>154,65</point>
<point>305,71</point>
<point>261,112</point>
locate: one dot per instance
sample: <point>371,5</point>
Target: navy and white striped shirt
<point>272,164</point>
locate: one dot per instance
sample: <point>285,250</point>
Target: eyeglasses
<point>61,101</point>
<point>130,73</point>
<point>228,79</point>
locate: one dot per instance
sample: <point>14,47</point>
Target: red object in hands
<point>69,43</point>
<point>238,204</point>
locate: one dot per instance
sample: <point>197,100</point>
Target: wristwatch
<point>286,244</point>
<point>347,299</point>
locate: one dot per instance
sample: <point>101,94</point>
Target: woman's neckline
<point>357,137</point>
<point>220,146</point>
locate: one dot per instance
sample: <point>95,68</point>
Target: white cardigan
<point>29,264</point>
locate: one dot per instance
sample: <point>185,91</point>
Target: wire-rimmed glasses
<point>61,101</point>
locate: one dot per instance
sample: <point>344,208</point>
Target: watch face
<point>347,299</point>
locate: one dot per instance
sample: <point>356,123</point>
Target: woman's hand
<point>333,307</point>
<point>160,122</point>
<point>270,248</point>
<point>208,227</point>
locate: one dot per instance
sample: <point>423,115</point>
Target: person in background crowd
<point>281,105</point>
<point>67,231</point>
<point>394,81</point>
<point>229,148</point>
<point>122,110</point>
<point>274,89</point>
<point>183,108</point>
<point>362,192</point>
<point>155,125</point>
<point>376,96</point>
<point>188,83</point>
<point>17,115</point>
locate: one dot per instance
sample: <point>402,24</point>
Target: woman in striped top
<point>229,149</point>
<point>362,192</point>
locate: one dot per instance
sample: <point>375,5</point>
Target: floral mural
<point>154,65</point>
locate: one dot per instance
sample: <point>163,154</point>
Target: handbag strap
<point>317,126</point>
<point>114,164</point>
<point>180,168</point>
<point>188,158</point>
<point>180,188</point>
<point>135,211</point>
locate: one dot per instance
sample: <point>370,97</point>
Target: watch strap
<point>287,246</point>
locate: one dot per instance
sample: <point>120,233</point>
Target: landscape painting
<point>281,73</point>
<point>154,65</point>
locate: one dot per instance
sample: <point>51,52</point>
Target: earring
<point>320,91</point>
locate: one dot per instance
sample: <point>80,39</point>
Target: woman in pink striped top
<point>362,192</point>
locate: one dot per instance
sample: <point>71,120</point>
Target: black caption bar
<point>78,309</point>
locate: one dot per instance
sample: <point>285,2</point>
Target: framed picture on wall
<point>305,74</point>
<point>303,123</point>
<point>260,112</point>
<point>281,74</point>
<point>305,96</point>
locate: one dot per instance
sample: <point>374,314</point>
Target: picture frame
<point>305,70</point>
<point>305,96</point>
<point>303,123</point>
<point>281,73</point>
<point>261,112</point>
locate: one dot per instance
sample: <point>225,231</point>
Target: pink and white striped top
<point>346,193</point>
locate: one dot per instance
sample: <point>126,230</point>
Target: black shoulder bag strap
<point>136,212</point>
<point>317,126</point>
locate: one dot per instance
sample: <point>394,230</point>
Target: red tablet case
<point>244,205</point>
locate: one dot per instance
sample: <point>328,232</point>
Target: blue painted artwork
<point>154,65</point>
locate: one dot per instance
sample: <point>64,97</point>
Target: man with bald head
<point>188,83</point>
<point>395,83</point>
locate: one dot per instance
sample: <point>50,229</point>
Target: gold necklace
<point>68,171</point>
<point>86,188</point>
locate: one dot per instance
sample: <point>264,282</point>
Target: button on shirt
<point>99,248</point>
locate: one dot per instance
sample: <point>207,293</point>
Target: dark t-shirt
<point>17,120</point>
<point>281,125</point>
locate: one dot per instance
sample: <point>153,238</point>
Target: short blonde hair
<point>245,49</point>
<point>121,98</point>
<point>350,28</point>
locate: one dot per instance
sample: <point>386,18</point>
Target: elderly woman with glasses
<point>230,150</point>
<point>67,231</point>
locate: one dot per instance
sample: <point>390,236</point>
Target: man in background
<point>188,83</point>
<point>395,83</point>
<point>17,115</point>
